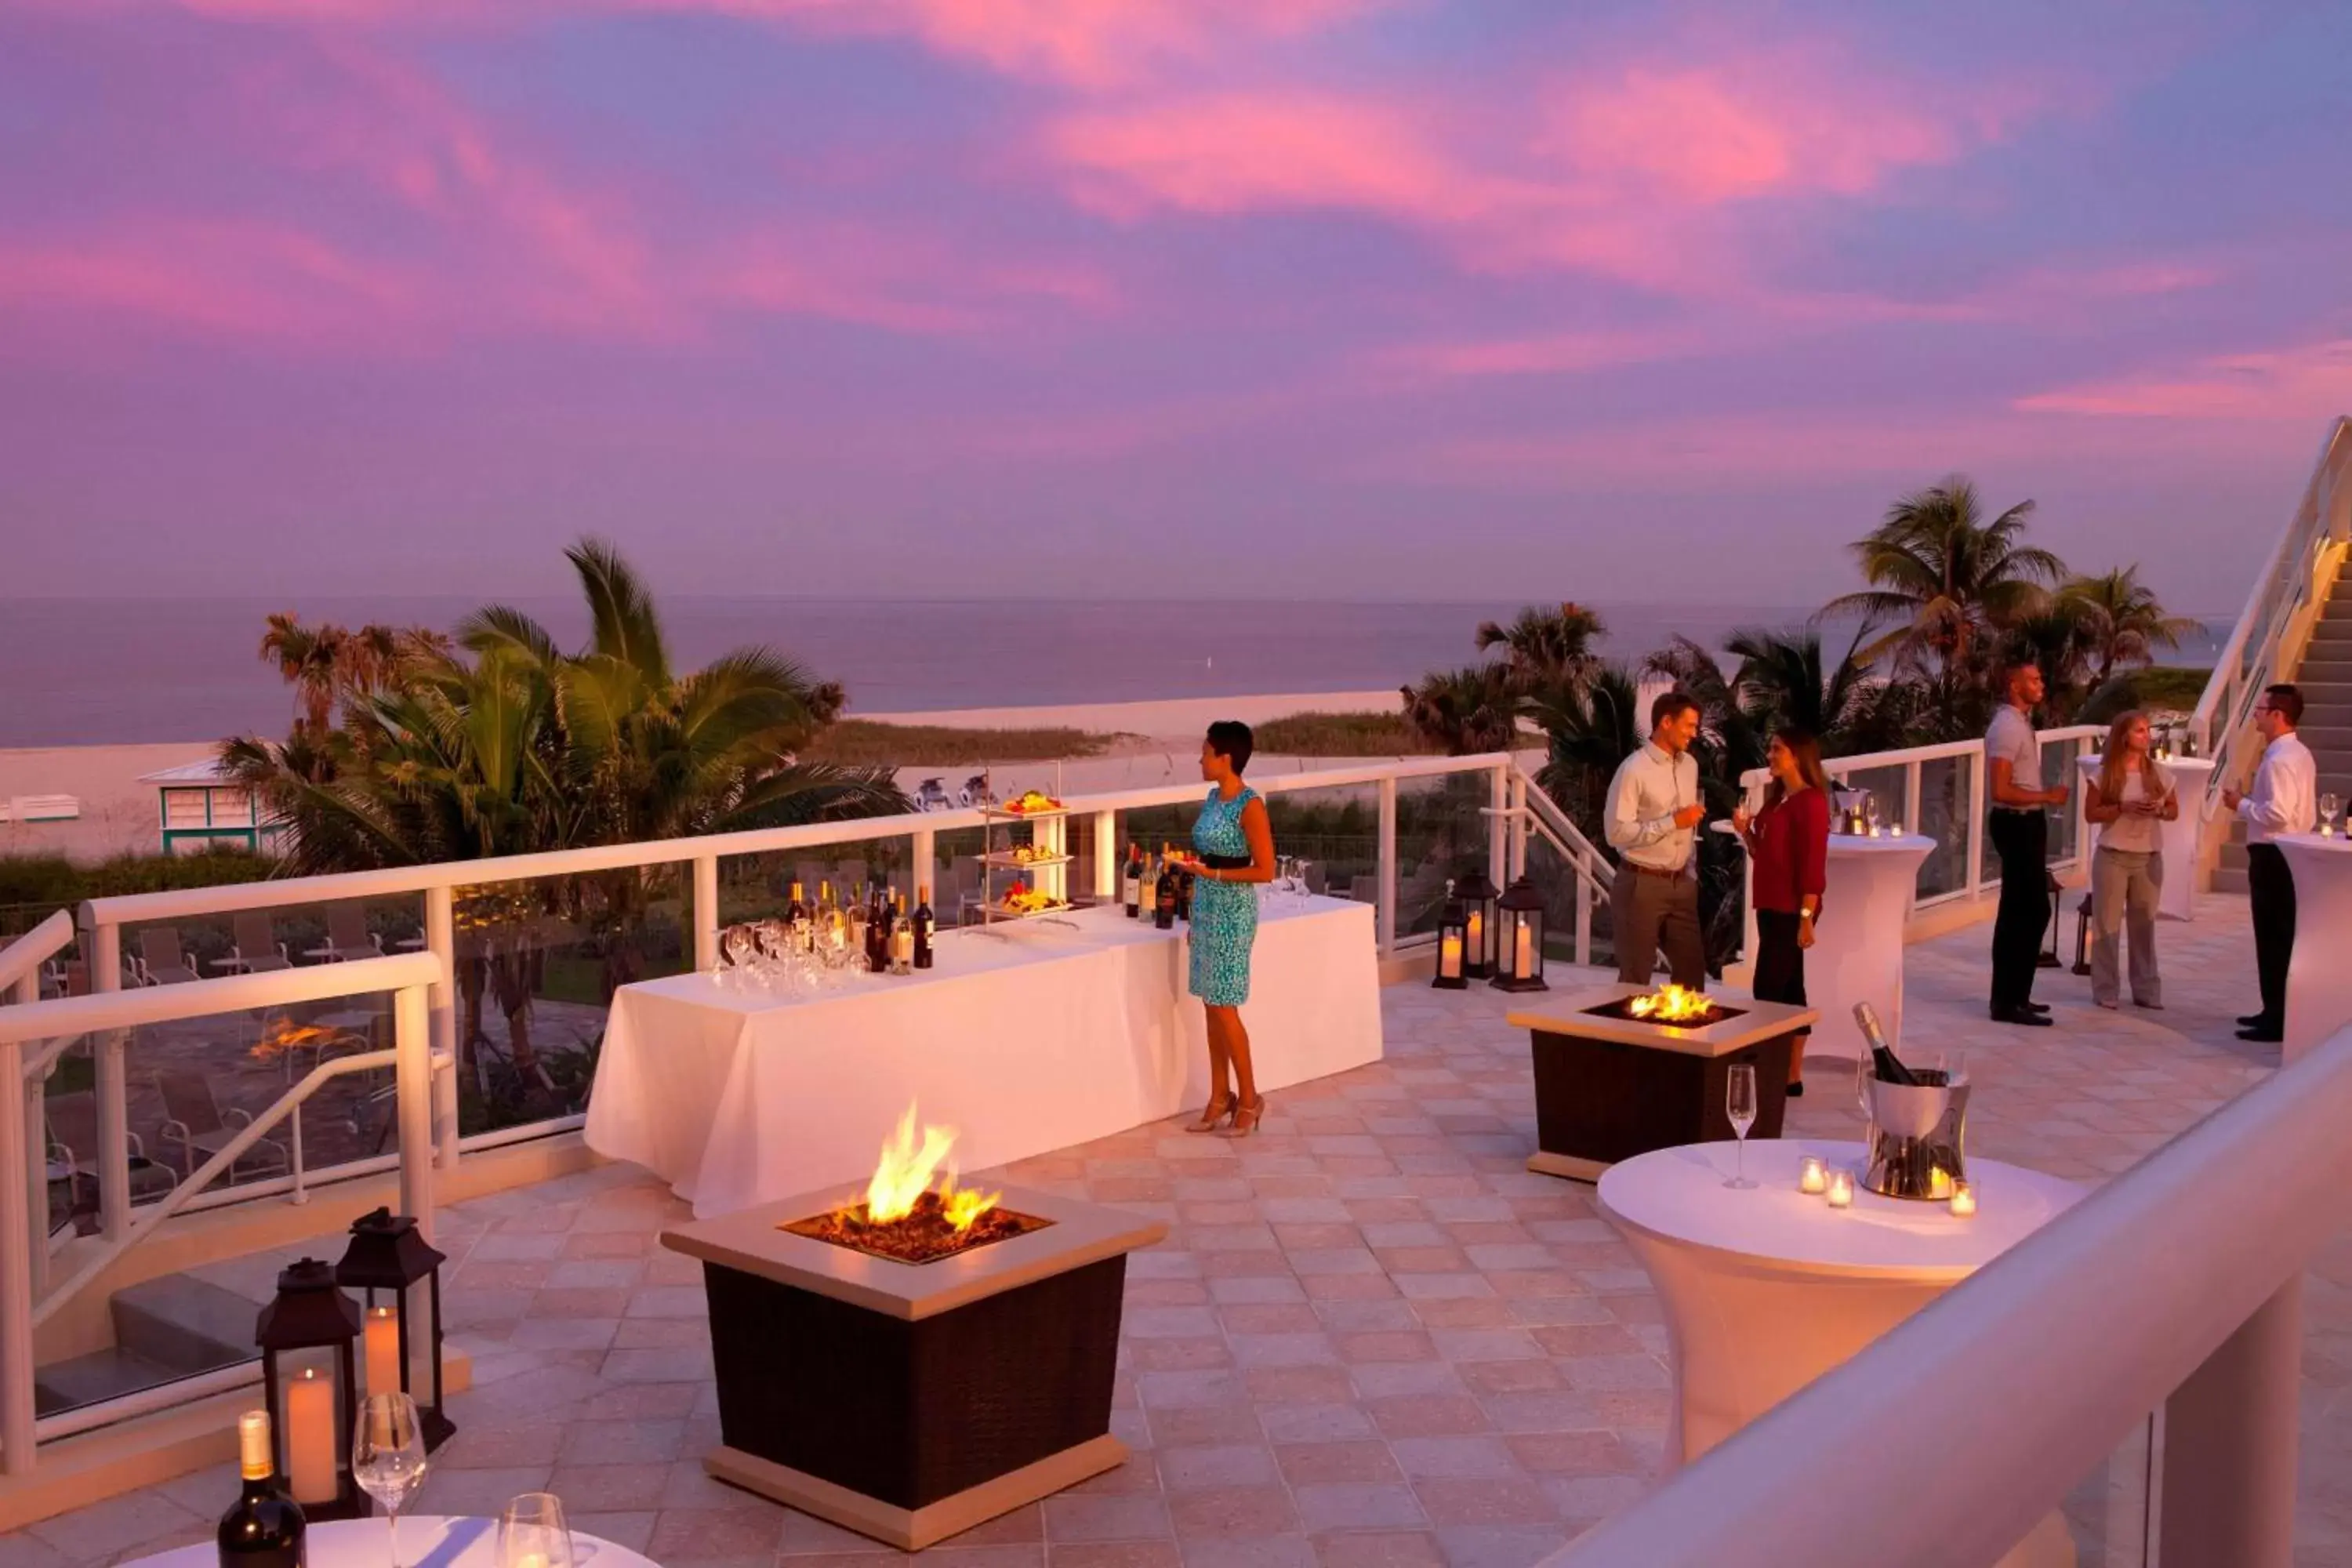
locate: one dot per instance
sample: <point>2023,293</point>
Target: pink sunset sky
<point>1365,299</point>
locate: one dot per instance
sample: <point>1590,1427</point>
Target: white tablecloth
<point>2318,978</point>
<point>1766,1289</point>
<point>426,1540</point>
<point>1858,951</point>
<point>2177,838</point>
<point>1024,1043</point>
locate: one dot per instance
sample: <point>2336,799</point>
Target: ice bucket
<point>1915,1137</point>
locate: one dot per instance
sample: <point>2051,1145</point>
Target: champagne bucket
<point>1915,1138</point>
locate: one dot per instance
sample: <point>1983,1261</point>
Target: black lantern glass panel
<point>1477,896</point>
<point>1452,945</point>
<point>387,1255</point>
<point>1520,936</point>
<point>312,1388</point>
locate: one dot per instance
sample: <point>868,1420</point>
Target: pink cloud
<point>2309,382</point>
<point>1546,353</point>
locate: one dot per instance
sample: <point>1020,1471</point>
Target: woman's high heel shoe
<point>1246,1119</point>
<point>1212,1116</point>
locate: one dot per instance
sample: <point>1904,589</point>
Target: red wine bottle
<point>924,920</point>
<point>264,1528</point>
<point>1131,882</point>
<point>1889,1066</point>
<point>1163,899</point>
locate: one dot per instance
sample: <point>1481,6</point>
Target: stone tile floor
<point>1373,1339</point>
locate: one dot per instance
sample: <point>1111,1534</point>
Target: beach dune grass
<point>869,742</point>
<point>1317,734</point>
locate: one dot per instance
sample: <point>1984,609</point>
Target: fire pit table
<point>1610,1084</point>
<point>911,1400</point>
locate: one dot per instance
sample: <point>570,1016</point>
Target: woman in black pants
<point>1789,844</point>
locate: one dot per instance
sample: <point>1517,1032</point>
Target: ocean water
<point>116,672</point>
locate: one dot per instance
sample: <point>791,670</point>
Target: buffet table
<point>1766,1289</point>
<point>2319,979</point>
<point>2176,898</point>
<point>1026,1039</point>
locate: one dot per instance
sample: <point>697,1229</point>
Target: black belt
<point>2016,811</point>
<point>1227,862</point>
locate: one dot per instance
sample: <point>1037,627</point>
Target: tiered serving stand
<point>1048,873</point>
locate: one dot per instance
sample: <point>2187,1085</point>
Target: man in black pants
<point>2021,834</point>
<point>2284,799</point>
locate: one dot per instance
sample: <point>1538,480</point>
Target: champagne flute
<point>388,1457</point>
<point>1740,1104</point>
<point>533,1533</point>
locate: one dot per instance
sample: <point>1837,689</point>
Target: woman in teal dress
<point>1235,843</point>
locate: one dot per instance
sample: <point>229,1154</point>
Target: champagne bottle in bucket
<point>1917,1120</point>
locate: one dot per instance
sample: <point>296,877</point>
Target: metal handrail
<point>111,1010</point>
<point>2027,1374</point>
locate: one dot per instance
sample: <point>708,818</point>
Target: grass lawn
<point>1340,735</point>
<point>861,743</point>
<point>2170,688</point>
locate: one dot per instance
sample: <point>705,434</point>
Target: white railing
<point>2176,1285</point>
<point>107,1016</point>
<point>21,959</point>
<point>2267,644</point>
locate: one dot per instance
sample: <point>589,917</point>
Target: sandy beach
<point>119,815</point>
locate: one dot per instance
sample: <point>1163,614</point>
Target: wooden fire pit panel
<point>1608,1088</point>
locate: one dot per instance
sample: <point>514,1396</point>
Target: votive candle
<point>310,1437</point>
<point>1812,1176</point>
<point>1841,1190</point>
<point>383,1351</point>
<point>1964,1201</point>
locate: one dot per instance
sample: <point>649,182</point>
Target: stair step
<point>188,1325</point>
<point>2233,854</point>
<point>100,1375</point>
<point>2229,880</point>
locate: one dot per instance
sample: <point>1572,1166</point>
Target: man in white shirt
<point>2019,830</point>
<point>2284,799</point>
<point>1652,821</point>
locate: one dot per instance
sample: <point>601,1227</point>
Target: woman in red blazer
<point>1788,843</point>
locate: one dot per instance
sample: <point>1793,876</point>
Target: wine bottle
<point>1889,1066</point>
<point>877,932</point>
<point>1130,886</point>
<point>1163,898</point>
<point>902,939</point>
<point>923,922</point>
<point>264,1528</point>
<point>795,911</point>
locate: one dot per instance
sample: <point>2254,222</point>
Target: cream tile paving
<point>1371,1340</point>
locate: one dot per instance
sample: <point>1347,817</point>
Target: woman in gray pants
<point>2128,799</point>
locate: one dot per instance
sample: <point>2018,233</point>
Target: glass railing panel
<point>1888,788</point>
<point>1944,822</point>
<point>1441,836</point>
<point>2108,1513</point>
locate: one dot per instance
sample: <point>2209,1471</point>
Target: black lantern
<point>311,1390</point>
<point>1519,934</point>
<point>2050,959</point>
<point>1477,896</point>
<point>1453,943</point>
<point>386,1254</point>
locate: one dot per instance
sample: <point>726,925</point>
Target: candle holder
<point>1812,1175</point>
<point>1478,922</point>
<point>386,1254</point>
<point>1452,945</point>
<point>1964,1201</point>
<point>1841,1190</point>
<point>1520,964</point>
<point>305,1337</point>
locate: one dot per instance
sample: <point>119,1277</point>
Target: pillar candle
<point>383,1351</point>
<point>1449,957</point>
<point>1477,932</point>
<point>310,1437</point>
<point>1527,963</point>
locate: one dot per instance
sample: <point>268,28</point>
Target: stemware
<point>2329,807</point>
<point>1740,1104</point>
<point>736,945</point>
<point>533,1533</point>
<point>388,1457</point>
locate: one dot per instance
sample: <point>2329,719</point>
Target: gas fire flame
<point>904,1173</point>
<point>1672,1005</point>
<point>284,1035</point>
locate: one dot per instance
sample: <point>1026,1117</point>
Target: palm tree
<point>2123,620</point>
<point>1589,731</point>
<point>1782,683</point>
<point>1466,711</point>
<point>1946,576</point>
<point>1543,647</point>
<point>328,665</point>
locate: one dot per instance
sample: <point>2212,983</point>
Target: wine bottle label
<point>254,1461</point>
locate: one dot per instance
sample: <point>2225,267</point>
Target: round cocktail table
<point>1764,1291</point>
<point>426,1540</point>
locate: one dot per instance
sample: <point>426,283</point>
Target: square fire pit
<point>1611,1085</point>
<point>907,1401</point>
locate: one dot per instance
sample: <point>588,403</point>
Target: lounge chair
<point>194,1120</point>
<point>257,948</point>
<point>348,937</point>
<point>73,1152</point>
<point>160,961</point>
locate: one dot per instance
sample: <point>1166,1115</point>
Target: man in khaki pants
<point>1652,821</point>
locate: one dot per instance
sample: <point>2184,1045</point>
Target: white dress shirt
<point>2286,794</point>
<point>1651,785</point>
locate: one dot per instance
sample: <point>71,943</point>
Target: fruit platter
<point>1030,802</point>
<point>1026,868</point>
<point>1028,855</point>
<point>1023,899</point>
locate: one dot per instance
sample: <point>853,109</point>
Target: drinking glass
<point>2329,807</point>
<point>1739,1104</point>
<point>388,1457</point>
<point>736,945</point>
<point>532,1535</point>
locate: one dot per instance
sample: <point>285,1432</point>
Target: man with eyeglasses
<point>2284,799</point>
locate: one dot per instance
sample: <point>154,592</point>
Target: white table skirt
<point>1858,951</point>
<point>426,1540</point>
<point>2176,840</point>
<point>2319,979</point>
<point>1022,1043</point>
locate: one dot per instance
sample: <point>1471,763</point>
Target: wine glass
<point>2329,807</point>
<point>532,1535</point>
<point>388,1456</point>
<point>1740,1104</point>
<point>737,946</point>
